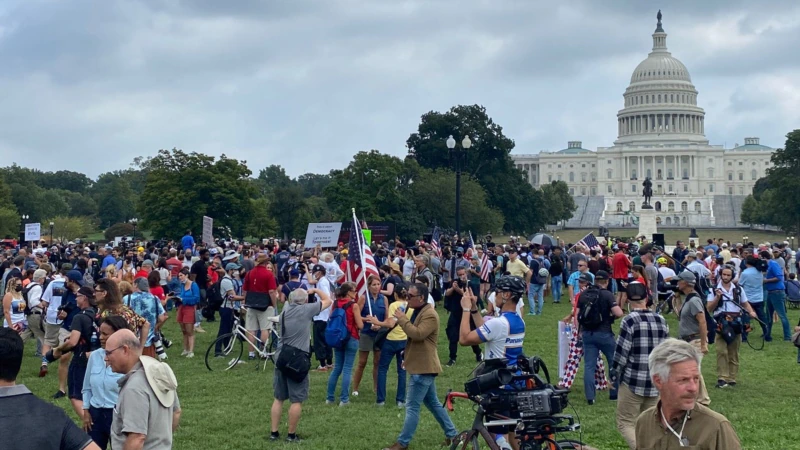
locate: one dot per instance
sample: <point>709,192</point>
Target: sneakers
<point>343,404</point>
<point>329,367</point>
<point>451,363</point>
<point>721,384</point>
<point>59,394</point>
<point>293,438</point>
<point>199,330</point>
<point>43,370</point>
<point>164,357</point>
<point>590,402</point>
<point>732,384</point>
<point>381,404</point>
<point>185,352</point>
<point>322,369</point>
<point>401,404</point>
<point>274,436</point>
<point>190,355</point>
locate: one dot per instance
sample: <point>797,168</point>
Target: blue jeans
<point>422,389</point>
<point>101,426</point>
<point>343,362</point>
<point>389,351</point>
<point>556,285</point>
<point>225,327</point>
<point>776,303</point>
<point>595,342</point>
<point>535,297</point>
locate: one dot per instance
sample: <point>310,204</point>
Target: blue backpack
<point>336,333</point>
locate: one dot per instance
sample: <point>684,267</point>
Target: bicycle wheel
<point>272,347</point>
<point>466,440</point>
<point>229,356</point>
<point>569,444</point>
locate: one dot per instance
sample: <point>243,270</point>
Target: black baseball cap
<point>601,275</point>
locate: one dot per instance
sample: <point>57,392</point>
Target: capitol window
<point>730,176</point>
<point>669,187</point>
<point>633,188</point>
<point>685,187</point>
<point>741,163</point>
<point>619,205</point>
<point>730,190</point>
<point>741,190</point>
<point>571,177</point>
<point>583,165</point>
<point>559,177</point>
<point>754,174</point>
<point>710,173</point>
<point>649,174</point>
<point>609,173</point>
<point>632,206</point>
<point>549,178</point>
<point>559,166</point>
<point>583,190</point>
<point>684,206</point>
<point>571,191</point>
<point>685,174</point>
<point>669,174</point>
<point>609,188</point>
<point>583,177</point>
<point>633,174</point>
<point>741,176</point>
<point>697,206</point>
<point>594,177</point>
<point>710,188</point>
<point>730,163</point>
<point>671,206</point>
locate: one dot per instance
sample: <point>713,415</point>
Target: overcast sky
<point>89,85</point>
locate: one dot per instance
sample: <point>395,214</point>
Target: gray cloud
<point>89,86</point>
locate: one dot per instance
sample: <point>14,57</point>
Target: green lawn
<point>231,410</point>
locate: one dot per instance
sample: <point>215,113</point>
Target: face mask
<point>18,288</point>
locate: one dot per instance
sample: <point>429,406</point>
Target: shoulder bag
<point>292,362</point>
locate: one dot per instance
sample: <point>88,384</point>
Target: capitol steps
<point>728,210</point>
<point>588,213</point>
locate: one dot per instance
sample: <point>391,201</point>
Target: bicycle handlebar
<point>449,399</point>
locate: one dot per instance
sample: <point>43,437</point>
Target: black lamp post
<point>51,233</point>
<point>458,156</point>
<point>133,222</point>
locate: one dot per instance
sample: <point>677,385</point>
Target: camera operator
<point>692,325</point>
<point>452,303</point>
<point>726,304</point>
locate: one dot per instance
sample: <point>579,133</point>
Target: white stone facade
<point>661,136</point>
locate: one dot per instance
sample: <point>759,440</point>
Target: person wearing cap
<point>692,325</point>
<point>81,340</point>
<point>639,333</point>
<point>291,285</point>
<point>147,305</point>
<point>66,312</point>
<point>231,301</point>
<point>34,291</point>
<point>322,350</point>
<point>148,410</point>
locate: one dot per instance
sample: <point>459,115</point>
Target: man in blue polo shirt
<point>187,242</point>
<point>773,282</point>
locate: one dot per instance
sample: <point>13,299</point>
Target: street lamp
<point>457,156</point>
<point>133,222</point>
<point>51,233</point>
<point>744,238</point>
<point>792,238</point>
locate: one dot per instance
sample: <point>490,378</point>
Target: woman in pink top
<point>345,356</point>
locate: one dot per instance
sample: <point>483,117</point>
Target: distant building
<point>661,135</point>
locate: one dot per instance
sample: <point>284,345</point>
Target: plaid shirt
<point>639,333</point>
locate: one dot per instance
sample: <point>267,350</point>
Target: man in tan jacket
<point>422,363</point>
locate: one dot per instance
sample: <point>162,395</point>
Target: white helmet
<point>543,272</point>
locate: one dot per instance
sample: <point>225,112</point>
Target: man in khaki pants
<point>639,333</point>
<point>692,326</point>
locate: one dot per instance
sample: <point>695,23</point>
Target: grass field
<point>231,410</point>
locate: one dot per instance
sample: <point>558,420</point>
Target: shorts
<point>75,381</point>
<point>257,320</point>
<point>286,389</point>
<point>366,343</point>
<point>51,334</point>
<point>186,314</point>
<point>620,287</point>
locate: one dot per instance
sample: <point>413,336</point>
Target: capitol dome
<point>661,101</point>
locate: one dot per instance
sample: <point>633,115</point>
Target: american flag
<point>485,266</point>
<point>590,242</point>
<point>359,256</point>
<point>435,241</point>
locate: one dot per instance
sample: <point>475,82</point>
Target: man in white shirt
<point>322,350</point>
<point>33,296</point>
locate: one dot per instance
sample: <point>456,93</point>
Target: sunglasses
<point>109,352</point>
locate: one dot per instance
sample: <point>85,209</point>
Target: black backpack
<point>214,296</point>
<point>590,316</point>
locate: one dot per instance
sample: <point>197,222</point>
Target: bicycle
<point>531,430</point>
<point>232,346</point>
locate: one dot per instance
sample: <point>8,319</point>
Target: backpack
<point>535,265</point>
<point>94,340</point>
<point>336,333</point>
<point>214,296</point>
<point>590,316</point>
<point>88,279</point>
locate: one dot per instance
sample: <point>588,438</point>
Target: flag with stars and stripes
<point>360,258</point>
<point>590,242</point>
<point>435,241</point>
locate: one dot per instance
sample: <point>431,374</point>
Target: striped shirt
<point>639,333</point>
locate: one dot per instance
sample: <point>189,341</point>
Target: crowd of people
<point>98,312</point>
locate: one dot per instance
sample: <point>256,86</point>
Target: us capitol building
<point>661,135</point>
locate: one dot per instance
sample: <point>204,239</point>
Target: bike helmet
<point>662,261</point>
<point>544,272</point>
<point>515,285</point>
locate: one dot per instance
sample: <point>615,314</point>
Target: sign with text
<point>325,234</point>
<point>33,232</point>
<point>379,232</point>
<point>208,235</point>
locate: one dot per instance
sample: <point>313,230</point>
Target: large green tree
<point>434,194</point>
<point>9,217</point>
<point>115,199</point>
<point>560,205</point>
<point>778,208</point>
<point>183,187</point>
<point>488,161</point>
<point>313,184</point>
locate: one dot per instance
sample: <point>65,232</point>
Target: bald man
<point>146,414</point>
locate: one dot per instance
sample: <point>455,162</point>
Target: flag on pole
<point>485,267</point>
<point>360,256</point>
<point>590,242</point>
<point>435,241</point>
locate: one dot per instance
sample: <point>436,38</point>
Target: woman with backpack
<point>378,305</point>
<point>345,350</point>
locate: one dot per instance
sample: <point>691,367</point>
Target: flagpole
<point>576,244</point>
<point>360,237</point>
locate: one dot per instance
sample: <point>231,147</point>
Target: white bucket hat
<point>161,379</point>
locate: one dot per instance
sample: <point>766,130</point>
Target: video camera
<point>519,397</point>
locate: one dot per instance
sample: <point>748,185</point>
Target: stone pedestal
<point>647,223</point>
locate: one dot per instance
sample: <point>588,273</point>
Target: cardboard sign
<point>208,235</point>
<point>325,234</point>
<point>33,232</point>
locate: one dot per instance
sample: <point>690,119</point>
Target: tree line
<point>171,191</point>
<point>772,201</point>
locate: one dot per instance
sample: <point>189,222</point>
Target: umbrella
<point>545,240</point>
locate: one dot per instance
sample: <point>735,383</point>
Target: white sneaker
<point>185,352</point>
<point>401,404</point>
<point>163,357</point>
<point>190,355</point>
<point>354,394</point>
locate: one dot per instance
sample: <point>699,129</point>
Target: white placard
<point>208,236</point>
<point>325,234</point>
<point>33,232</point>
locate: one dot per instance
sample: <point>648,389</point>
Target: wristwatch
<point>474,311</point>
